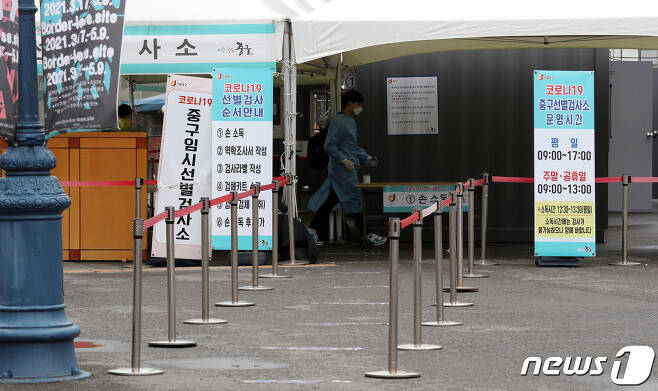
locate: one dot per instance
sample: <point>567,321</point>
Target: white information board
<point>412,105</point>
<point>242,150</point>
<point>184,174</point>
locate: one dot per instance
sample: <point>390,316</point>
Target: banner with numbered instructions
<point>564,163</point>
<point>81,49</point>
<point>195,49</point>
<point>184,175</point>
<point>9,68</point>
<point>242,149</point>
<point>412,105</point>
<point>403,199</point>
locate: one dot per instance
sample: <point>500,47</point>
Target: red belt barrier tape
<point>512,179</point>
<point>97,183</point>
<point>246,194</point>
<point>151,182</point>
<point>611,179</point>
<point>480,182</point>
<point>267,187</point>
<point>644,179</point>
<point>282,180</point>
<point>155,219</point>
<point>406,222</point>
<point>189,210</point>
<point>220,200</point>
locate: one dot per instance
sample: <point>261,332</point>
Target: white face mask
<point>357,110</point>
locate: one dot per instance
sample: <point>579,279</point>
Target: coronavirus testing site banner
<point>81,47</point>
<point>184,172</point>
<point>564,163</point>
<point>242,149</point>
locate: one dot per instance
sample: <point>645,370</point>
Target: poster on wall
<point>9,68</point>
<point>564,163</point>
<point>184,173</point>
<point>242,150</point>
<point>81,49</point>
<point>412,105</point>
<point>403,199</point>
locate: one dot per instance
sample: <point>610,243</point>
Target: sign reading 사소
<point>564,163</point>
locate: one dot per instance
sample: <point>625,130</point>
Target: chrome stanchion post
<point>254,243</point>
<point>205,266</point>
<point>471,232</point>
<point>438,258</point>
<point>418,257</point>
<point>136,356</point>
<point>139,182</point>
<point>275,235</point>
<point>291,227</point>
<point>234,258</point>
<point>340,235</point>
<point>460,242</point>
<point>625,182</point>
<point>171,342</point>
<point>332,227</point>
<point>394,258</point>
<point>452,224</point>
<point>483,232</point>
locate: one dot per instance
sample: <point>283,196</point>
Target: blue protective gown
<point>341,143</point>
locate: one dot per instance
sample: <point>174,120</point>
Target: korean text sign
<point>242,150</point>
<point>412,105</point>
<point>564,163</point>
<point>403,199</point>
<point>81,47</point>
<point>184,173</point>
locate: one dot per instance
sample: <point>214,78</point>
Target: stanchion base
<point>296,263</point>
<point>457,304</point>
<point>206,321</point>
<point>475,275</point>
<point>485,263</point>
<point>255,288</point>
<point>392,375</point>
<point>422,346</point>
<point>442,323</point>
<point>274,276</point>
<point>138,372</point>
<point>622,263</point>
<point>463,289</point>
<point>172,344</point>
<point>234,304</point>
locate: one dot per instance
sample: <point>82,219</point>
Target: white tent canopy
<point>367,31</point>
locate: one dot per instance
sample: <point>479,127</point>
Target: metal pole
<point>471,232</point>
<point>291,228</point>
<point>138,197</point>
<point>625,183</point>
<point>460,241</point>
<point>332,227</point>
<point>275,235</point>
<point>418,257</point>
<point>234,258</point>
<point>438,258</point>
<point>205,266</point>
<point>254,243</point>
<point>340,237</point>
<point>136,356</point>
<point>483,231</point>
<point>452,235</point>
<point>171,341</point>
<point>393,255</point>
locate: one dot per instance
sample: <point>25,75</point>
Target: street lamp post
<point>36,338</point>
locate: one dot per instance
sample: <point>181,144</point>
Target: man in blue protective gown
<point>345,158</point>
